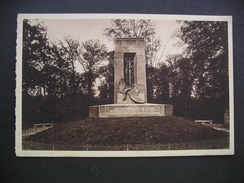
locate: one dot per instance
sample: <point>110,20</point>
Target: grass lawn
<point>119,131</point>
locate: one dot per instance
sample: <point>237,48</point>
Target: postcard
<point>124,85</point>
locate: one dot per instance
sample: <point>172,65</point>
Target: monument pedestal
<point>130,110</point>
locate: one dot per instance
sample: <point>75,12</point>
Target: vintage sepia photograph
<point>124,85</point>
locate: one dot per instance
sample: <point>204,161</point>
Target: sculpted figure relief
<point>132,92</point>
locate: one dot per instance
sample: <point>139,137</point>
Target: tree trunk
<point>90,94</point>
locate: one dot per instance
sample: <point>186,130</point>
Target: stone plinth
<point>130,110</point>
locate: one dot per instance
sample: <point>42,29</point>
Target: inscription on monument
<point>133,110</point>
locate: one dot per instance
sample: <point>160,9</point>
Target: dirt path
<point>32,131</point>
<point>218,127</point>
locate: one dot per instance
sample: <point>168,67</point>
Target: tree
<point>200,74</point>
<point>52,88</point>
<point>163,84</point>
<point>130,28</point>
<point>71,48</point>
<point>208,48</point>
<point>106,73</point>
<point>92,54</point>
<point>35,55</point>
<point>180,74</point>
<point>60,72</point>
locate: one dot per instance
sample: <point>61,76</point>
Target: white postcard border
<point>167,153</point>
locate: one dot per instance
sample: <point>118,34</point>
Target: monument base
<point>130,110</point>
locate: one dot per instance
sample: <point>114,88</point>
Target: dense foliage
<point>195,82</point>
<point>53,89</point>
<point>199,77</point>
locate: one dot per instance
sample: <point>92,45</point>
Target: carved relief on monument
<point>129,69</point>
<point>130,91</point>
<point>128,84</point>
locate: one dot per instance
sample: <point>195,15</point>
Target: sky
<point>85,29</point>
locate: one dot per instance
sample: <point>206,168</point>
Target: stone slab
<point>130,110</point>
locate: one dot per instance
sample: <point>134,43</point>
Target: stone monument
<point>130,89</point>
